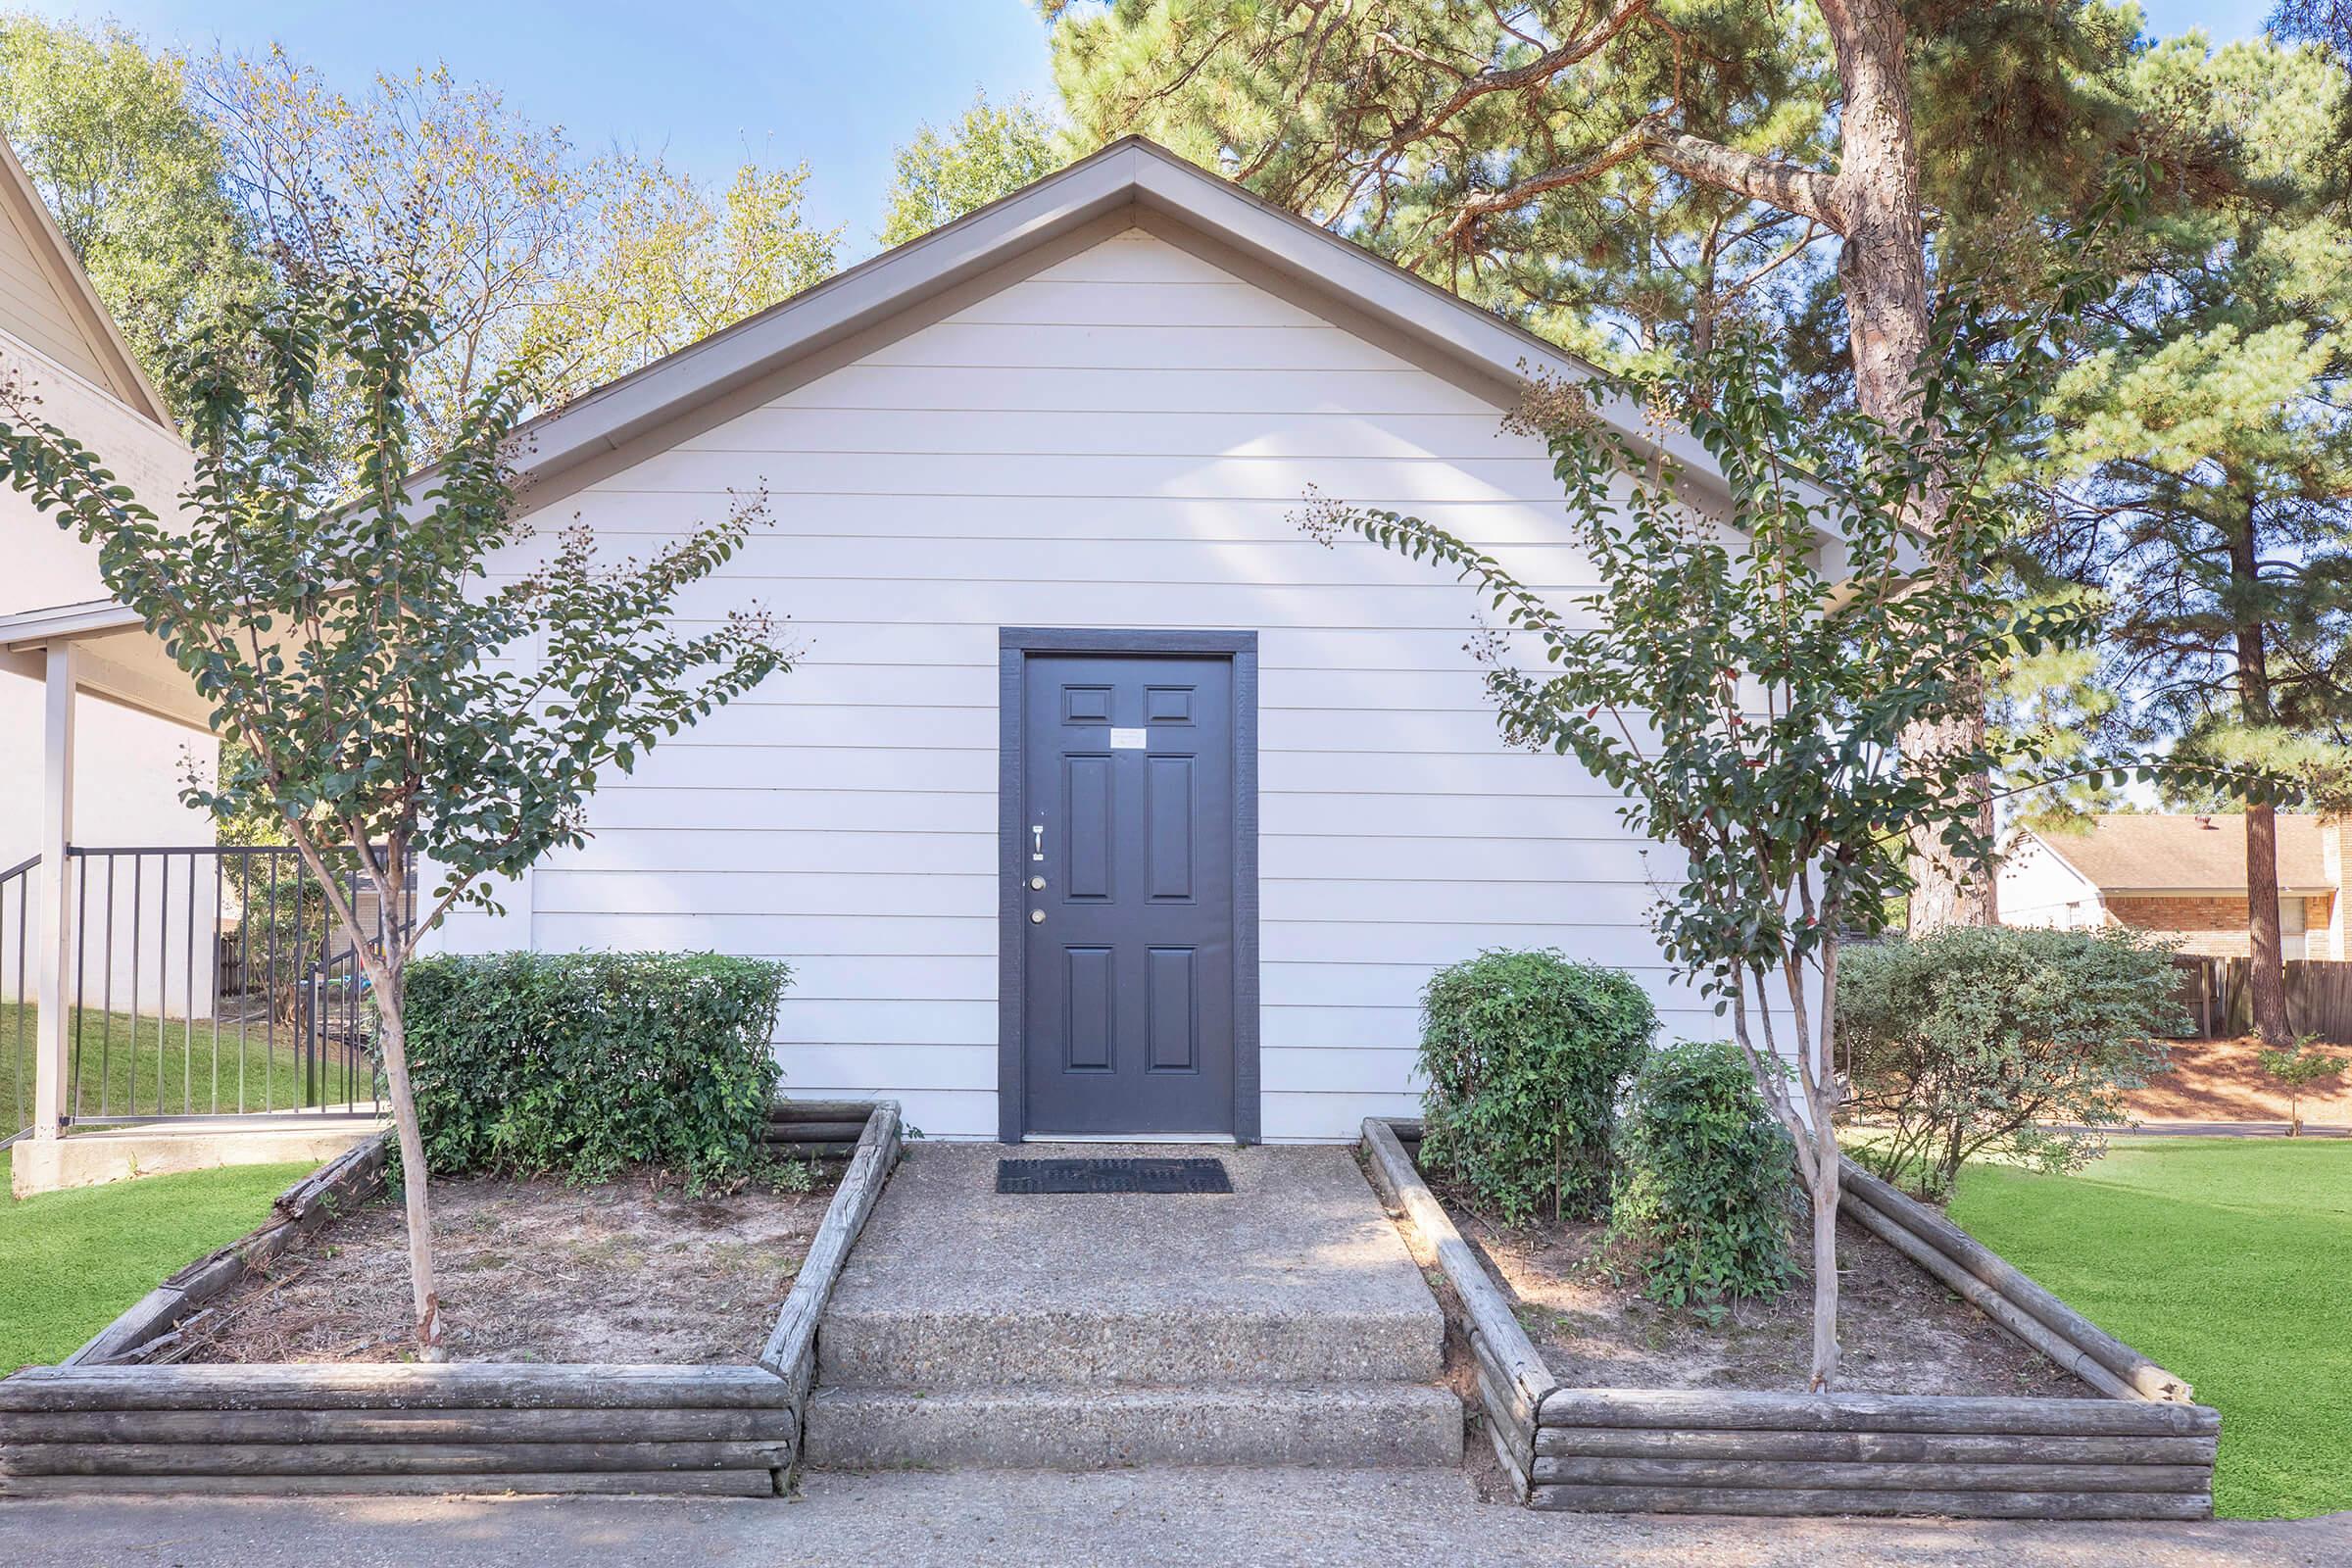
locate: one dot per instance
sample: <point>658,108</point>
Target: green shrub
<point>587,1064</point>
<point>1975,1040</point>
<point>1526,1055</point>
<point>1704,1180</point>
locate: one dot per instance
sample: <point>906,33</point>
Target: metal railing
<point>204,980</point>
<point>15,997</point>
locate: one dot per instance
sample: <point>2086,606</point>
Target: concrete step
<point>865,1346</point>
<point>1350,1425</point>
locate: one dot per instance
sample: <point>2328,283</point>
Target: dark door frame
<point>1014,644</point>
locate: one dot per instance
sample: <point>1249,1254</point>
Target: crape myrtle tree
<point>1747,697</point>
<point>394,707</point>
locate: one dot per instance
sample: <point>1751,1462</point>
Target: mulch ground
<point>2222,1080</point>
<point>1899,1330</point>
<point>531,1270</point>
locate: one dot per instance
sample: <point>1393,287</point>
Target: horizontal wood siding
<point>1120,440</point>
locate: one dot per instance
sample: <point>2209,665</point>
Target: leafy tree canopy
<point>991,152</point>
<point>136,178</point>
<point>1538,157</point>
<point>523,245</point>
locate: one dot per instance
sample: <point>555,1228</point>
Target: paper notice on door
<point>1128,740</point>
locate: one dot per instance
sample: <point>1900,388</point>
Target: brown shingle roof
<point>2189,852</point>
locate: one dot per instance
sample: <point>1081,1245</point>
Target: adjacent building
<point>2179,876</point>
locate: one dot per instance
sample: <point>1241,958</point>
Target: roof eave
<point>1130,173</point>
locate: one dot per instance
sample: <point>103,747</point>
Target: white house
<point>1101,800</point>
<point>2182,877</point>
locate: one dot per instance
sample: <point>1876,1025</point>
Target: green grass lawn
<point>136,1061</point>
<point>2230,1262</point>
<point>71,1262</point>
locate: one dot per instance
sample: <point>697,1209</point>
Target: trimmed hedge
<point>1703,1178</point>
<point>1526,1055</point>
<point>587,1064</point>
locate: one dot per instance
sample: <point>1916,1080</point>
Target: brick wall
<point>2215,925</point>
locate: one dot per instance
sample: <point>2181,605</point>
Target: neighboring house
<point>1101,800</point>
<point>57,344</point>
<point>2178,876</point>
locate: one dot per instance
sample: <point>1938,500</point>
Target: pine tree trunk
<point>2266,979</point>
<point>1883,272</point>
<point>2266,972</point>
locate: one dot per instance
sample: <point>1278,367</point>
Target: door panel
<point>1127,786</point>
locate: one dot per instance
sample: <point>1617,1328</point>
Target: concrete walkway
<point>1279,1323</point>
<point>1038,1520</point>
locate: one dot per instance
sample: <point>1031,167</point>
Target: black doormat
<point>1111,1176</point>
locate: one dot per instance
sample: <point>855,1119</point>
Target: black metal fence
<point>204,981</point>
<point>16,1000</point>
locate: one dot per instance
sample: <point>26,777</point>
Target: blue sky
<point>705,81</point>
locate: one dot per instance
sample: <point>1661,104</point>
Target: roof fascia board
<point>2215,891</point>
<point>38,628</point>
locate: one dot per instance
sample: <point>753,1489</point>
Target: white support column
<point>57,910</point>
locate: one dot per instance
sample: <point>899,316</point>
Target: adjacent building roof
<point>47,303</point>
<point>2142,853</point>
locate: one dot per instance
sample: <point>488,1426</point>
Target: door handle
<point>1037,841</point>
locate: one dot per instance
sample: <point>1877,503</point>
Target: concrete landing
<point>1282,1323</point>
<point>94,1157</point>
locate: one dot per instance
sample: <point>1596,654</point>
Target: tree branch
<point>1790,187</point>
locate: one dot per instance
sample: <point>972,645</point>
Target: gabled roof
<point>70,285</point>
<point>1132,174</point>
<point>2147,854</point>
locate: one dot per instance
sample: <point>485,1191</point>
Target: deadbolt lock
<point>1037,917</point>
<point>1037,884</point>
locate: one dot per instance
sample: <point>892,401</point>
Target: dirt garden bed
<point>1595,1400</point>
<point>630,1271</point>
<point>625,1337</point>
<point>1900,1331</point>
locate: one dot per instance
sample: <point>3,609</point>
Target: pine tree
<point>2203,449</point>
<point>1499,148</point>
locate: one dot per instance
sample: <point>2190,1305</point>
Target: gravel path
<point>1032,1520</point>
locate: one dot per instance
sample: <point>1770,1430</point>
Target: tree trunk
<point>2265,977</point>
<point>1824,1377</point>
<point>389,1003</point>
<point>1883,272</point>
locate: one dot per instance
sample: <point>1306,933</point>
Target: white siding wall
<point>2035,888</point>
<point>1120,440</point>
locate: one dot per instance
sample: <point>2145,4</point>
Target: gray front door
<point>1127,791</point>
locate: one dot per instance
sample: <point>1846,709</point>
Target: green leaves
<point>1699,1205</point>
<point>1975,1040</point>
<point>1525,1054</point>
<point>587,1065</point>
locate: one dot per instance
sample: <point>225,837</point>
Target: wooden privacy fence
<point>2217,996</point>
